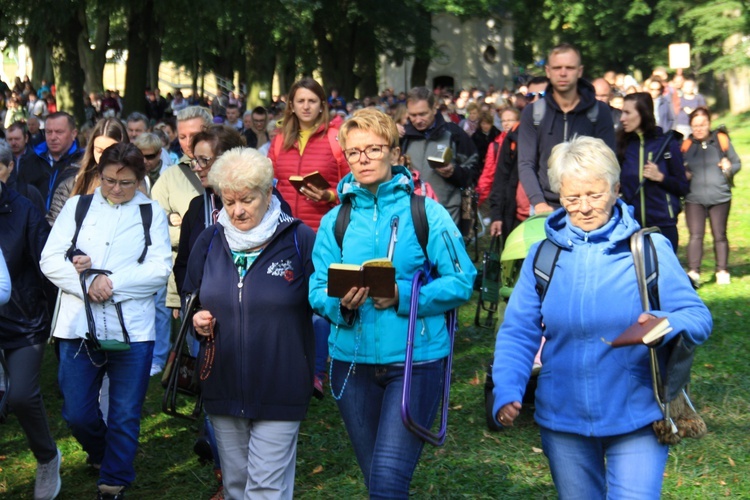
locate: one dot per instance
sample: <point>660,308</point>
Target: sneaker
<point>156,369</point>
<point>722,278</point>
<point>107,492</point>
<point>695,278</point>
<point>48,482</point>
<point>318,382</point>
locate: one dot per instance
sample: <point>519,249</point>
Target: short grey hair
<point>195,112</point>
<point>135,116</point>
<point>6,155</point>
<point>242,168</point>
<point>149,140</point>
<point>583,158</point>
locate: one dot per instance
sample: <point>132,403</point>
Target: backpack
<point>418,216</point>
<point>548,252</point>
<point>721,136</point>
<point>540,108</point>
<point>84,202</point>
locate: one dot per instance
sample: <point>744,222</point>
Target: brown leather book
<point>378,274</point>
<point>313,178</point>
<point>650,331</point>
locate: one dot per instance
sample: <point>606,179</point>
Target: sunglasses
<point>531,95</point>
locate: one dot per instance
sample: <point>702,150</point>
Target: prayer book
<point>378,274</point>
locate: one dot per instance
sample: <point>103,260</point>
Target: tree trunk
<point>287,64</point>
<point>93,60</point>
<point>67,69</point>
<point>41,61</point>
<point>140,18</point>
<point>260,62</point>
<point>367,62</point>
<point>154,52</point>
<point>422,49</point>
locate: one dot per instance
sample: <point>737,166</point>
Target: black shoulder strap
<point>418,215</point>
<point>146,216</point>
<point>544,266</point>
<point>421,224</point>
<point>84,202</point>
<point>342,221</point>
<point>651,265</point>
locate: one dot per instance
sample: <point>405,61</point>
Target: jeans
<point>112,444</point>
<point>370,406</point>
<point>162,327</point>
<point>615,467</point>
<point>322,329</point>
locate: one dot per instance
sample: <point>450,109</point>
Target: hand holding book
<point>648,330</point>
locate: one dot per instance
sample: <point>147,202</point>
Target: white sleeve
<point>54,265</point>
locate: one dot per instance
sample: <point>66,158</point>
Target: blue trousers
<point>615,467</point>
<point>112,444</point>
<point>162,327</point>
<point>387,452</point>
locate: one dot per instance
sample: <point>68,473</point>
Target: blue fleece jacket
<point>379,336</point>
<point>585,386</point>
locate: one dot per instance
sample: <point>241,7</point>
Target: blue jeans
<point>114,444</point>
<point>162,327</point>
<point>370,406</point>
<point>322,329</point>
<point>625,466</point>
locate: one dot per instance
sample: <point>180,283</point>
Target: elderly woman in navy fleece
<point>251,271</point>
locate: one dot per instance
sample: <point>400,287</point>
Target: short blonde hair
<point>583,158</point>
<point>370,120</point>
<point>242,168</point>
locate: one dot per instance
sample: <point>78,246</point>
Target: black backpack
<point>84,202</point>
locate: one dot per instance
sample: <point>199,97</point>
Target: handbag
<point>670,372</point>
<point>95,343</point>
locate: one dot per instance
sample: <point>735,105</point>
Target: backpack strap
<point>651,264</point>
<point>544,266</point>
<point>723,139</point>
<point>146,217</point>
<point>82,207</point>
<point>539,109</point>
<point>418,216</point>
<point>593,112</point>
<point>686,145</point>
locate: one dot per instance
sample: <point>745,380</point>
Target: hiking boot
<point>107,492</point>
<point>48,483</point>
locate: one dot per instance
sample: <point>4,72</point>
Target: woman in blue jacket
<point>368,334</point>
<point>251,271</point>
<point>594,404</point>
<point>652,186</point>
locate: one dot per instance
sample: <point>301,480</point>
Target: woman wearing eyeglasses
<point>106,132</point>
<point>113,237</point>
<point>652,186</point>
<point>367,341</point>
<point>594,404</point>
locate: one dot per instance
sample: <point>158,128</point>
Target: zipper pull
<point>240,285</point>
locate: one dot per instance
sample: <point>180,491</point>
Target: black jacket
<point>482,142</point>
<point>503,193</point>
<point>24,320</point>
<point>264,341</point>
<point>33,170</point>
<point>535,142</point>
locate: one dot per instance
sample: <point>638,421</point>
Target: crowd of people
<point>111,224</point>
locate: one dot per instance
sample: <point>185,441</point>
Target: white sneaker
<point>48,482</point>
<point>156,369</point>
<point>722,278</point>
<point>695,278</point>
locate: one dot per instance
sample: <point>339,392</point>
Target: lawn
<point>474,462</point>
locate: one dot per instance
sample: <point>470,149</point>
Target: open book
<point>313,178</point>
<point>650,331</point>
<point>378,274</point>
<point>438,155</point>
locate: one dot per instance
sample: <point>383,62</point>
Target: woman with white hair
<point>251,272</point>
<point>594,404</point>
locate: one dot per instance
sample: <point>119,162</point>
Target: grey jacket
<point>708,184</point>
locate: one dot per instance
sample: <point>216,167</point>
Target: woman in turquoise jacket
<point>594,403</point>
<point>368,334</point>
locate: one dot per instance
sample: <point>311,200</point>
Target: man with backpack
<point>569,108</point>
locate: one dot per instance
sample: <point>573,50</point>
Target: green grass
<point>474,462</point>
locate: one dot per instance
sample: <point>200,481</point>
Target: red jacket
<point>318,155</point>
<point>484,185</point>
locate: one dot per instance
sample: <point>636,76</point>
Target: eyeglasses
<point>113,182</point>
<point>573,203</point>
<point>152,156</point>
<point>199,162</point>
<point>373,152</point>
<point>532,95</point>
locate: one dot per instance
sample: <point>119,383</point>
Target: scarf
<point>239,240</point>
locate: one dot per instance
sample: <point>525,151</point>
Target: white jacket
<point>112,235</point>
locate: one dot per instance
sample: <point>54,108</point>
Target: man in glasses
<point>428,135</point>
<point>176,186</point>
<point>569,108</point>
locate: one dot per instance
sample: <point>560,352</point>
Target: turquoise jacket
<point>586,386</point>
<point>379,336</point>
